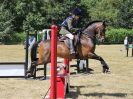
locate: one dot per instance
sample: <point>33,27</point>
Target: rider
<point>68,27</point>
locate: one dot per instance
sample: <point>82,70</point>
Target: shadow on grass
<point>74,94</point>
<point>96,94</point>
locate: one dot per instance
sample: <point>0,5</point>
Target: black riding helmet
<point>77,11</point>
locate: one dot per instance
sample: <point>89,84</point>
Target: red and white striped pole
<point>53,89</point>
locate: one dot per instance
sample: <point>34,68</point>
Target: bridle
<point>100,32</point>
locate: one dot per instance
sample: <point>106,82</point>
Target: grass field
<point>116,85</point>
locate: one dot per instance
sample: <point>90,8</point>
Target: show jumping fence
<point>59,79</point>
<point>15,69</point>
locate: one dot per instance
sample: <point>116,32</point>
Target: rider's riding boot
<point>72,50</point>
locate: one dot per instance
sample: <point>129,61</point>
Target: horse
<point>93,31</point>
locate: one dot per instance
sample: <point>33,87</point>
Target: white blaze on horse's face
<point>100,29</point>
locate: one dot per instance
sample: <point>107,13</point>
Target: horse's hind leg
<point>44,58</point>
<point>31,72</point>
<point>40,61</point>
<point>105,66</point>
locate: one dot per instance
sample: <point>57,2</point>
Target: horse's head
<point>100,31</point>
<point>95,29</point>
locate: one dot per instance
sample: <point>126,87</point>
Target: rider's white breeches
<point>69,35</point>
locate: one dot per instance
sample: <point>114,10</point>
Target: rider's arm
<point>70,26</point>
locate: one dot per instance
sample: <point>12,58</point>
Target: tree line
<point>19,15</point>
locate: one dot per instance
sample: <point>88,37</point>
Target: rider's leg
<point>71,40</point>
<point>72,50</point>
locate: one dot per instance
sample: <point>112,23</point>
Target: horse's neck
<point>87,40</point>
<point>90,32</point>
<point>89,35</point>
<point>85,46</point>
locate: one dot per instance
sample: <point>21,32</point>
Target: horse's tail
<point>34,52</point>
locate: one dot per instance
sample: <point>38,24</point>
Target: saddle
<point>65,39</point>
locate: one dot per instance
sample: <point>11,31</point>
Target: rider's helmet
<point>77,11</point>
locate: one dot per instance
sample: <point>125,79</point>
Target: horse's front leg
<point>105,66</point>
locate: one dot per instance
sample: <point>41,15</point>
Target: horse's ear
<point>104,23</point>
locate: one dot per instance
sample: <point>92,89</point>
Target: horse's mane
<point>90,23</point>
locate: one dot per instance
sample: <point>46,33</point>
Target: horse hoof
<point>106,71</point>
<point>103,71</point>
<point>28,75</point>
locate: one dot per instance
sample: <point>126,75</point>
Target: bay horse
<point>85,49</point>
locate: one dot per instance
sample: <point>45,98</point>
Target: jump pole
<point>53,89</point>
<point>26,52</point>
<point>132,46</point>
<point>59,82</point>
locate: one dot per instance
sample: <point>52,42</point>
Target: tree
<point>125,14</point>
<point>105,10</point>
<point>6,20</point>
